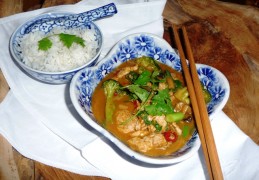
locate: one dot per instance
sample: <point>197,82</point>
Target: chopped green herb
<point>132,76</point>
<point>140,92</point>
<point>158,109</point>
<point>143,78</point>
<point>143,115</point>
<point>67,39</point>
<point>161,104</point>
<point>157,126</point>
<point>44,44</point>
<point>155,73</point>
<point>162,96</point>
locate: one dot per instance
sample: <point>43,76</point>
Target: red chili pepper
<point>115,93</point>
<point>136,104</point>
<point>170,136</point>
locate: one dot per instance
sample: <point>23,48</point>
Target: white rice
<point>58,58</point>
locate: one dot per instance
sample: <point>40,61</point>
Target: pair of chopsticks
<point>198,104</point>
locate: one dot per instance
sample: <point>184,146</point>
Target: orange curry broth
<point>98,108</point>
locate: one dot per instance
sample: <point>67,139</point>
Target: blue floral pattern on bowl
<point>47,22</point>
<point>137,45</point>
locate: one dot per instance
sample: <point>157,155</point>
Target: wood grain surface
<point>226,36</point>
<point>223,35</point>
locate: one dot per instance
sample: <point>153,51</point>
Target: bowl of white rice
<point>53,51</point>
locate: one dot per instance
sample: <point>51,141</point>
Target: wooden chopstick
<point>199,106</point>
<point>217,172</point>
<point>193,100</point>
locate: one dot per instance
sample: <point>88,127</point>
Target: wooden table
<point>222,35</point>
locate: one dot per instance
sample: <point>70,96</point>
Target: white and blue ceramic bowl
<point>136,45</point>
<point>45,23</point>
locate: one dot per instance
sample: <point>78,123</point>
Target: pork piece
<point>162,86</point>
<point>177,128</point>
<point>148,142</point>
<point>125,122</point>
<point>124,71</point>
<point>160,120</point>
<point>184,108</point>
<point>173,99</point>
<point>143,131</point>
<point>133,126</point>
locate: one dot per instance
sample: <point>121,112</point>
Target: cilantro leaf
<point>158,109</point>
<point>140,92</point>
<point>79,41</point>
<point>69,39</point>
<point>157,126</point>
<point>132,76</point>
<point>162,96</point>
<point>44,44</point>
<point>161,104</point>
<point>143,115</point>
<point>143,78</point>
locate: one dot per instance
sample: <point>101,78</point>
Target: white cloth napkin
<point>238,156</point>
<point>41,123</point>
<point>33,139</point>
<point>238,153</point>
<point>52,102</point>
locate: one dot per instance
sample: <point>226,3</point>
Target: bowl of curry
<point>137,98</point>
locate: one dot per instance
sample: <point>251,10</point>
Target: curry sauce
<point>150,109</point>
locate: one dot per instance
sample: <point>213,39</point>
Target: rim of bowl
<point>46,72</point>
<point>225,81</point>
